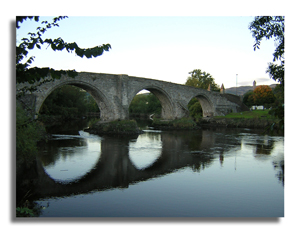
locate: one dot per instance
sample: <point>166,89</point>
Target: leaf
<point>53,46</point>
<point>79,52</point>
<point>88,54</point>
<point>30,46</point>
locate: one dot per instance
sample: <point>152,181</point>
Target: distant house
<point>261,107</point>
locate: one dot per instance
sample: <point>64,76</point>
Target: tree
<point>248,99</point>
<point>195,108</point>
<point>272,27</point>
<point>91,104</point>
<point>263,95</point>
<point>279,95</point>
<point>24,73</point>
<point>29,131</point>
<point>36,40</point>
<point>145,104</point>
<point>267,27</point>
<point>201,80</point>
<point>69,102</point>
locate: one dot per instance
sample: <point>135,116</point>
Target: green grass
<point>183,123</point>
<point>249,114</point>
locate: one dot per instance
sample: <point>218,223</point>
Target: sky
<point>160,47</point>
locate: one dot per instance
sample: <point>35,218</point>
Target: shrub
<point>184,123</point>
<point>28,133</point>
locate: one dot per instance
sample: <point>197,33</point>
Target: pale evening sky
<point>163,48</point>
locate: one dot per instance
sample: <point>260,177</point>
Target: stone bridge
<point>114,93</point>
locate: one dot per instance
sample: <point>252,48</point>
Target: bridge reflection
<point>116,169</point>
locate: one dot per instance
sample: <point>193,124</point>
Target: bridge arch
<point>206,104</point>
<point>167,111</point>
<point>102,101</point>
<point>114,93</point>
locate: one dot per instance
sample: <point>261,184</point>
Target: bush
<point>28,133</point>
<point>114,127</point>
<point>182,123</point>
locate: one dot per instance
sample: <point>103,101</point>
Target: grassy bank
<point>256,114</point>
<point>257,119</point>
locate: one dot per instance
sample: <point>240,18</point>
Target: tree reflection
<point>51,151</point>
<point>278,163</point>
<point>205,162</point>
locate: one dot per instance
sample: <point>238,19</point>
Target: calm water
<point>205,173</point>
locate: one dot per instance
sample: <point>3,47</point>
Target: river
<point>203,173</point>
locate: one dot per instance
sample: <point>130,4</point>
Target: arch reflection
<point>67,158</point>
<point>144,151</point>
<point>116,167</point>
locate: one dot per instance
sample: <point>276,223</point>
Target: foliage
<point>68,102</point>
<point>24,212</point>
<point>28,133</point>
<point>92,122</point>
<point>145,104</point>
<point>279,95</point>
<point>248,99</point>
<point>201,79</point>
<point>122,126</point>
<point>91,104</point>
<point>114,127</point>
<point>195,108</point>
<point>182,123</point>
<point>248,114</point>
<point>185,123</point>
<point>263,94</point>
<point>35,40</point>
<point>30,209</point>
<point>271,27</point>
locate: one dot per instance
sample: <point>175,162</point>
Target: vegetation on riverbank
<point>249,115</point>
<point>28,133</point>
<point>183,123</point>
<point>120,127</point>
<point>258,119</point>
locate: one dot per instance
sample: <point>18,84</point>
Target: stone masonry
<point>114,93</point>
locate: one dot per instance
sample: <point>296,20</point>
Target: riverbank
<point>212,122</point>
<point>178,124</point>
<point>249,119</point>
<point>251,123</point>
<point>120,127</point>
<point>258,119</point>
